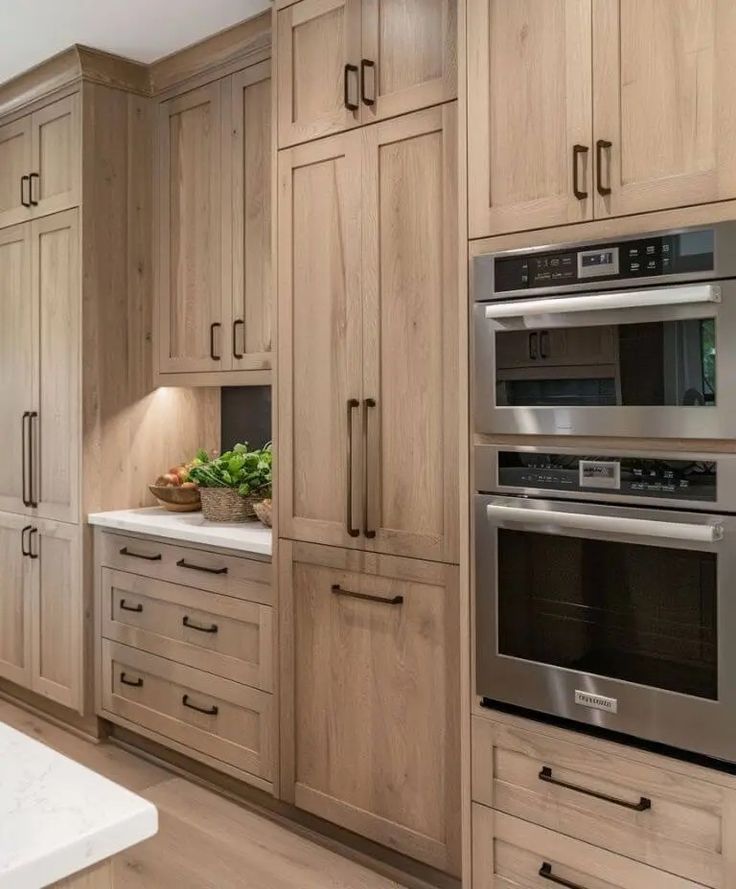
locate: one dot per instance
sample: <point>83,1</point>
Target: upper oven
<point>611,338</point>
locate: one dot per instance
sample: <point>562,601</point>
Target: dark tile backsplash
<point>246,416</point>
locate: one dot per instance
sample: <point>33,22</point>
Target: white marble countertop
<point>192,527</point>
<point>58,817</point>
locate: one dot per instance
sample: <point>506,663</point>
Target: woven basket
<point>226,505</point>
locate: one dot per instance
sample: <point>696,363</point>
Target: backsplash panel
<point>245,416</point>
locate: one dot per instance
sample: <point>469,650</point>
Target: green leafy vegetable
<point>249,472</point>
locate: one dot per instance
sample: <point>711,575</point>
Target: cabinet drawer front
<point>215,633</point>
<point>218,573</point>
<point>649,812</point>
<point>509,853</point>
<point>222,719</point>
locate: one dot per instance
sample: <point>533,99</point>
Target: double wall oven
<point>605,577</point>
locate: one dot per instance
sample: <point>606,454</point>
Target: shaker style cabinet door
<point>409,58</point>
<point>370,731</point>
<point>664,113</point>
<point>319,341</point>
<point>193,257</point>
<point>15,169</point>
<point>410,335</point>
<point>318,69</point>
<point>250,329</point>
<point>529,114</point>
<point>15,615</point>
<point>56,136</point>
<point>17,366</point>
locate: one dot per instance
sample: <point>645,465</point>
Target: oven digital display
<point>596,259</point>
<point>597,263</point>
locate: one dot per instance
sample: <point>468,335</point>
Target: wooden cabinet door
<point>663,103</point>
<point>409,56</point>
<point>410,352</point>
<point>318,72</point>
<point>17,365</point>
<point>15,615</point>
<point>56,431</point>
<point>194,258</point>
<point>372,683</point>
<point>319,341</point>
<point>57,608</point>
<point>15,163</point>
<point>529,66</point>
<point>56,136</point>
<point>250,331</point>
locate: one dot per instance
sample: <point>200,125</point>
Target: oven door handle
<point>615,524</point>
<point>628,299</point>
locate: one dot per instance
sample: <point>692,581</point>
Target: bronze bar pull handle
<point>578,150</point>
<point>238,323</point>
<point>369,532</point>
<point>353,403</point>
<point>135,683</point>
<point>32,492</point>
<point>127,552</point>
<point>208,711</point>
<point>182,563</point>
<point>641,806</point>
<point>366,597</point>
<point>600,146</point>
<point>186,622</point>
<point>26,551</point>
<point>124,607</point>
<point>25,461</point>
<point>34,202</point>
<point>31,553</point>
<point>349,69</point>
<point>213,327</point>
<point>23,180</point>
<point>545,872</point>
<point>364,65</point>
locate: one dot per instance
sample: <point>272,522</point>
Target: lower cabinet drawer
<point>217,717</point>
<point>215,633</point>
<point>509,853</point>
<point>644,808</point>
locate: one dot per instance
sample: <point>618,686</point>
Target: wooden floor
<point>204,841</point>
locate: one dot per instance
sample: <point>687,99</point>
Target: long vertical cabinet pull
<point>353,403</point>
<point>350,69</point>
<point>24,459</point>
<point>33,201</point>
<point>367,530</point>
<point>600,146</point>
<point>26,551</point>
<point>366,64</point>
<point>577,151</point>
<point>23,181</point>
<point>32,488</point>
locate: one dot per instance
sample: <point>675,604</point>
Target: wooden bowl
<point>177,499</point>
<point>263,511</point>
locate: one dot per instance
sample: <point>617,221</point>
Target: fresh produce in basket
<point>248,472</point>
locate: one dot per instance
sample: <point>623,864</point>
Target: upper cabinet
<point>40,162</point>
<point>344,63</point>
<point>582,109</point>
<point>213,282</point>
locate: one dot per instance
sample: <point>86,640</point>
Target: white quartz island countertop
<point>57,817</point>
<point>191,527</point>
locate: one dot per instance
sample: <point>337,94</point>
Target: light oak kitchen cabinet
<point>582,109</point>
<point>213,185</point>
<point>344,63</point>
<point>368,338</point>
<point>370,676</point>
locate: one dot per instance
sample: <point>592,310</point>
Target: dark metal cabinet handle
<point>26,551</point>
<point>208,711</point>
<point>31,553</point>
<point>353,403</point>
<point>212,628</point>
<point>238,323</point>
<point>135,683</point>
<point>213,327</point>
<point>545,872</point>
<point>34,201</point>
<point>600,146</point>
<point>367,405</point>
<point>341,591</point>
<point>137,608</point>
<point>577,151</point>
<point>126,552</point>
<point>25,201</point>
<point>349,69</point>
<point>641,806</point>
<point>182,563</point>
<point>25,460</point>
<point>365,64</point>
<point>534,346</point>
<point>32,491</point>
<point>544,344</point>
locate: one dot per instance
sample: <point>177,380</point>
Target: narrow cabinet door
<point>409,56</point>
<point>664,114</point>
<point>318,69</point>
<point>319,341</point>
<point>56,157</point>
<point>17,364</point>
<point>15,613</point>
<point>250,331</point>
<point>529,114</point>
<point>411,363</point>
<point>370,728</point>
<point>57,608</point>
<point>15,168</point>
<point>194,300</point>
<point>55,433</point>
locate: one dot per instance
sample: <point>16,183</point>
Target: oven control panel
<point>640,257</point>
<point>610,475</point>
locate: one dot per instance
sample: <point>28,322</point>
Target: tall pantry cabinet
<point>368,371</point>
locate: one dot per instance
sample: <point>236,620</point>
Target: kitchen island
<point>61,823</point>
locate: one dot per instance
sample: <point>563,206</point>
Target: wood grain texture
<point>15,162</point>
<point>56,158</point>
<point>15,614</point>
<point>529,102</point>
<point>99,876</point>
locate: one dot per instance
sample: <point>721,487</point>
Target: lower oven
<point>614,614</point>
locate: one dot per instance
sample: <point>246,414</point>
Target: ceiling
<point>144,30</point>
